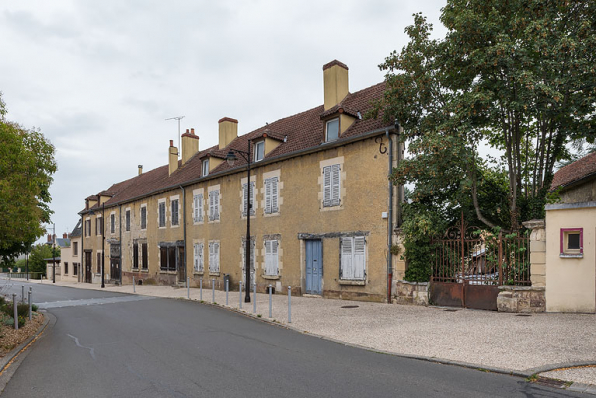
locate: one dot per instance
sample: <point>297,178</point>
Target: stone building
<point>322,211</point>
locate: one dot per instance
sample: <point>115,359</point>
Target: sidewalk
<point>521,344</point>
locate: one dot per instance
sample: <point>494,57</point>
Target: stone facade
<point>415,293</point>
<point>537,252</point>
<point>521,299</point>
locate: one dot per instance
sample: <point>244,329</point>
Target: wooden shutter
<point>347,269</point>
<point>216,256</point>
<point>244,198</point>
<point>327,186</point>
<point>211,205</point>
<point>196,208</point>
<point>268,198</point>
<point>359,261</point>
<point>252,198</point>
<point>335,185</point>
<point>268,257</point>
<point>274,195</point>
<point>216,205</point>
<point>196,254</point>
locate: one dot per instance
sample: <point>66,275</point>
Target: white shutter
<point>347,269</point>
<point>211,260</point>
<point>335,185</point>
<point>196,208</point>
<point>201,259</point>
<point>216,255</point>
<point>268,198</point>
<point>327,186</point>
<point>200,207</point>
<point>216,206</point>
<point>274,258</point>
<point>196,255</point>
<point>244,198</point>
<point>268,257</point>
<point>253,196</point>
<point>359,261</point>
<point>211,205</point>
<point>274,195</point>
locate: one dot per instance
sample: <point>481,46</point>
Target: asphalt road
<point>103,344</point>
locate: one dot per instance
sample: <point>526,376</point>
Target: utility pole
<point>178,118</point>
<point>54,253</point>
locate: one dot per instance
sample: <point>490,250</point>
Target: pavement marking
<point>91,349</point>
<point>94,301</point>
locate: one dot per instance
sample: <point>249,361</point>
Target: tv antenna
<point>177,118</point>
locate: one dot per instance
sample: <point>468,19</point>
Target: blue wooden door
<point>314,266</point>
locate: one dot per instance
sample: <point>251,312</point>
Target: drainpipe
<point>389,221</point>
<point>120,238</point>
<point>82,270</point>
<point>184,226</point>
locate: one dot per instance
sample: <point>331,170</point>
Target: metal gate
<point>470,264</point>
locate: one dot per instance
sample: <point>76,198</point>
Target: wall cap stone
<point>523,288</point>
<point>533,224</point>
<point>412,283</point>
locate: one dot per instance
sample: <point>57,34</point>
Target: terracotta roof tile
<point>575,171</point>
<point>298,132</point>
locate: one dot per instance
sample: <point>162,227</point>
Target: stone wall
<point>521,299</point>
<point>537,252</point>
<point>414,293</point>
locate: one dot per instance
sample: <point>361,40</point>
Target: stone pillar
<point>399,262</point>
<point>537,252</point>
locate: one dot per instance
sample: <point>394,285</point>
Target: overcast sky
<point>99,77</point>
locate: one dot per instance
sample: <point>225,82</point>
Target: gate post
<point>537,252</point>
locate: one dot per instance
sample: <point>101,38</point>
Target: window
<point>162,214</point>
<point>198,255</point>
<point>112,223</point>
<point>98,262</point>
<point>167,258</point>
<point>127,220</point>
<point>271,195</point>
<point>198,208</point>
<point>332,130</point>
<point>145,260</point>
<point>271,258</point>
<point>98,225</point>
<point>205,168</point>
<point>65,268</point>
<point>75,248</point>
<point>572,242</point>
<point>353,263</point>
<point>213,205</point>
<point>75,268</point>
<point>252,198</point>
<point>174,204</point>
<point>135,256</point>
<point>144,217</point>
<point>214,256</point>
<point>252,260</point>
<point>331,185</point>
<point>87,227</point>
<point>259,150</point>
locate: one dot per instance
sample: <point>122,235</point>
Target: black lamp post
<point>54,253</point>
<point>231,158</point>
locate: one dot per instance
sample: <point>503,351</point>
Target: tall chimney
<point>228,130</point>
<point>49,238</point>
<point>190,145</point>
<point>65,235</point>
<point>335,82</point>
<point>140,169</point>
<point>173,157</point>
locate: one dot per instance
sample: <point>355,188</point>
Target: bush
<point>22,309</point>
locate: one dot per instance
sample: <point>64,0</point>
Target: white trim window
<point>214,205</point>
<point>353,258</point>
<point>259,150</point>
<point>214,256</point>
<point>271,195</point>
<point>174,208</point>
<point>252,260</point>
<point>331,185</point>
<point>271,258</point>
<point>198,207</point>
<point>127,220</point>
<point>143,216</point>
<point>205,168</point>
<point>199,263</point>
<point>332,130</point>
<point>161,213</point>
<point>245,197</point>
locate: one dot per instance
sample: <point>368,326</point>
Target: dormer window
<point>259,150</point>
<point>205,171</point>
<point>332,130</point>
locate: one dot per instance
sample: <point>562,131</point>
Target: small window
<point>353,258</point>
<point>135,256</point>
<point>271,258</point>
<point>198,208</point>
<point>205,168</point>
<point>214,205</point>
<point>75,268</point>
<point>162,214</point>
<point>331,185</point>
<point>98,226</point>
<point>174,204</point>
<point>572,242</point>
<point>127,220</point>
<point>259,150</point>
<point>198,257</point>
<point>271,195</point>
<point>245,198</point>
<point>145,261</point>
<point>214,256</point>
<point>98,262</point>
<point>112,223</point>
<point>252,260</point>
<point>332,130</point>
<point>75,248</point>
<point>65,268</point>
<point>144,217</point>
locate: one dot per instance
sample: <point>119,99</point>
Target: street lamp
<point>103,243</point>
<point>231,159</point>
<point>54,254</point>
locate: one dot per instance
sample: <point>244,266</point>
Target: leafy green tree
<point>38,254</point>
<point>520,75</point>
<point>26,167</point>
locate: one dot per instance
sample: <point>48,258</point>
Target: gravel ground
<point>482,338</point>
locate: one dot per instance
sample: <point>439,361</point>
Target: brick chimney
<point>190,145</point>
<point>173,157</point>
<point>65,236</point>
<point>140,169</point>
<point>335,83</point>
<point>228,131</point>
<point>49,238</point>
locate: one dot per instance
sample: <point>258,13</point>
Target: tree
<point>518,74</point>
<point>38,254</point>
<point>26,167</point>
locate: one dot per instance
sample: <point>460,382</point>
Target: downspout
<point>81,273</point>
<point>389,220</point>
<point>184,226</point>
<point>120,238</point>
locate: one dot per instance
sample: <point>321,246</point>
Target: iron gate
<point>470,264</point>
